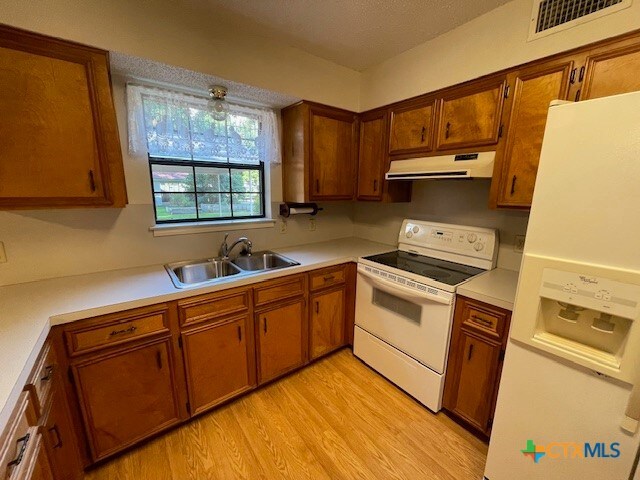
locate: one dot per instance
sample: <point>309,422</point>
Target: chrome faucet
<point>225,249</point>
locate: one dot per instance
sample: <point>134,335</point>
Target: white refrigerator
<point>567,408</point>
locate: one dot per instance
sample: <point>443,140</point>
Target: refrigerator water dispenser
<point>584,313</point>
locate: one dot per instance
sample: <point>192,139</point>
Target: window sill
<point>168,229</point>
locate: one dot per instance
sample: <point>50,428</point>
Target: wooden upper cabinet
<point>612,70</point>
<point>372,156</point>
<point>470,115</point>
<point>412,128</point>
<point>319,153</point>
<point>531,91</point>
<point>59,145</point>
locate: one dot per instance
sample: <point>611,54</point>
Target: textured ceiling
<point>353,33</point>
<point>147,70</point>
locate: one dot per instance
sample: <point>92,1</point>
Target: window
<point>201,168</point>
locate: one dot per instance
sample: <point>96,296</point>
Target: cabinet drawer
<point>487,321</point>
<point>279,289</point>
<point>327,277</point>
<point>16,437</point>
<point>103,332</point>
<point>40,382</point>
<point>207,307</point>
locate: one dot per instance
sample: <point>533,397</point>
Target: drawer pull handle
<point>328,278</point>
<point>482,321</point>
<point>24,441</point>
<point>92,181</point>
<point>131,329</point>
<point>55,430</point>
<point>48,374</point>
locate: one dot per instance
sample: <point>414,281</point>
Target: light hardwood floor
<point>336,419</point>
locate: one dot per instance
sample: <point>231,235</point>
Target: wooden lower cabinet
<point>475,362</point>
<point>281,339</point>
<point>327,326</point>
<point>60,439</point>
<point>126,396</point>
<point>219,362</point>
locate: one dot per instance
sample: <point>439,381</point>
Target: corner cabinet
<point>475,362</point>
<point>373,161</point>
<point>319,153</point>
<point>59,145</point>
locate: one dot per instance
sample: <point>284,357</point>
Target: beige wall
<point>461,202</point>
<point>489,43</point>
<point>166,31</point>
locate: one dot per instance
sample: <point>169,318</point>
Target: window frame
<point>153,160</point>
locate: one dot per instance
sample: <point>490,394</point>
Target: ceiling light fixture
<point>219,107</point>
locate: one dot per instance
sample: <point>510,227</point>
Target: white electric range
<point>405,301</point>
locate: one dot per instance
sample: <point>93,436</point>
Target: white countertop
<point>28,310</point>
<point>496,287</point>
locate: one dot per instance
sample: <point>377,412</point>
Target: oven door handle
<point>393,287</point>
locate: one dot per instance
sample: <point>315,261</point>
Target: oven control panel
<point>451,240</point>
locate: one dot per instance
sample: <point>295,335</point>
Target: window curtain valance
<point>172,124</point>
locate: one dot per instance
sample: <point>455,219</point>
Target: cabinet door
<point>332,155</point>
<point>477,371</point>
<point>327,322</point>
<point>471,116</point>
<point>60,439</point>
<point>282,339</point>
<point>126,396</point>
<point>527,106</point>
<point>371,156</point>
<point>412,128</point>
<point>612,71</point>
<point>59,144</point>
<point>217,362</point>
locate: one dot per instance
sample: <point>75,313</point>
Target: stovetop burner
<point>449,273</point>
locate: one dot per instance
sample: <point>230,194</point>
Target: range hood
<point>468,165</point>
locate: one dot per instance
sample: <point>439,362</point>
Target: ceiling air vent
<point>550,16</point>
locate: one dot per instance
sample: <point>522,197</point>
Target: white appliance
<point>466,165</point>
<point>405,302</point>
<point>569,392</point>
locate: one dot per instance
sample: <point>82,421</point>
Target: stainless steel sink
<point>198,272</point>
<point>263,261</point>
<point>202,272</point>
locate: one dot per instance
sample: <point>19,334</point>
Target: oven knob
<point>416,229</point>
<point>478,246</point>
<point>472,237</point>
<point>409,234</point>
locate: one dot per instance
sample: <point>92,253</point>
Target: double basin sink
<point>202,272</point>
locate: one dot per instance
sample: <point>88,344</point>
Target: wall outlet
<point>283,226</point>
<point>3,255</point>
<point>312,224</point>
<point>518,246</point>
